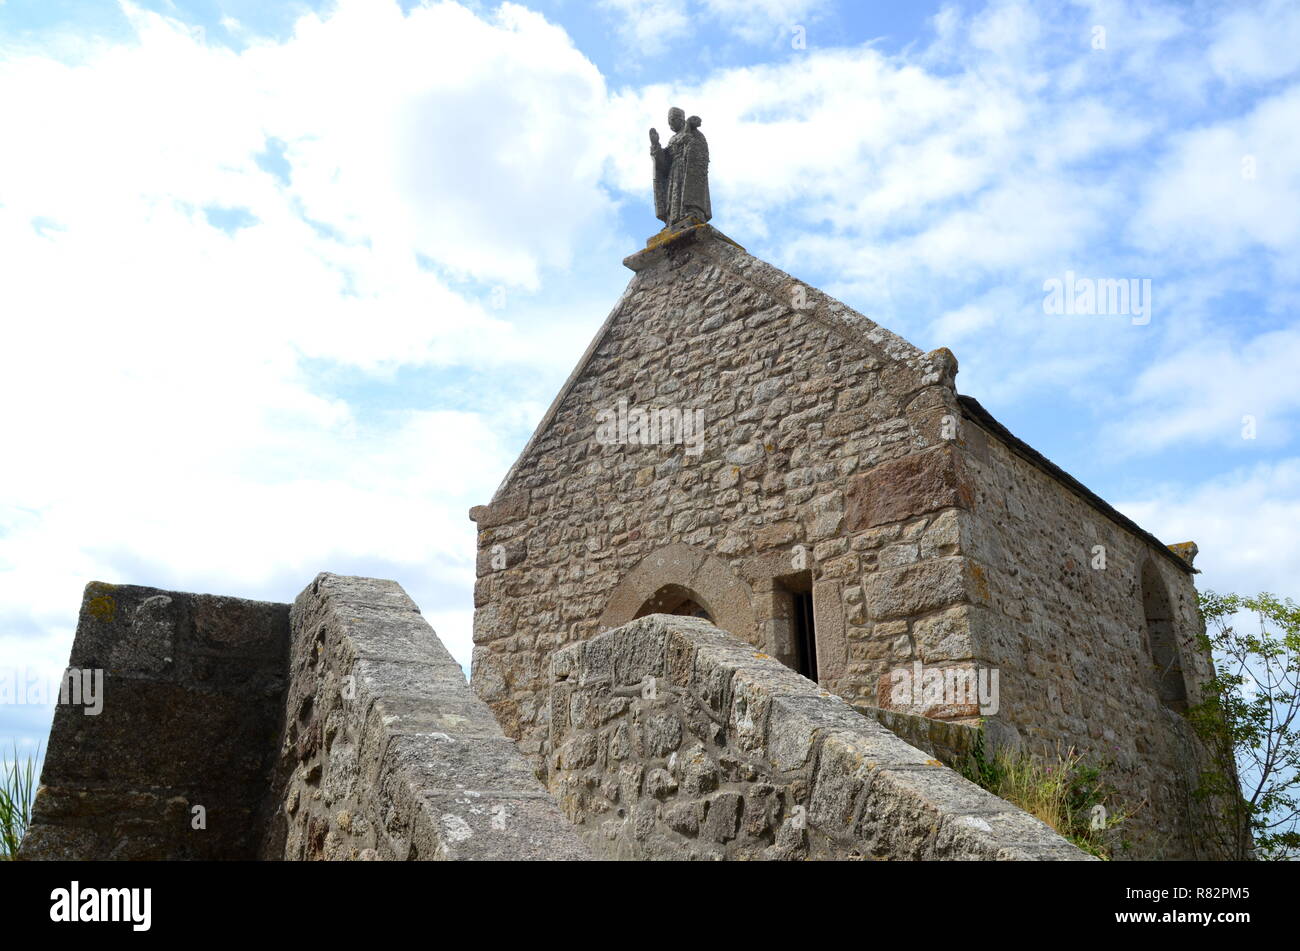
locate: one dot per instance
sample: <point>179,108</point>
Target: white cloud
<point>976,318</point>
<point>1258,44</point>
<point>648,27</point>
<point>1202,393</point>
<point>762,21</point>
<point>163,426</point>
<point>1221,189</point>
<point>1243,522</point>
<point>477,143</point>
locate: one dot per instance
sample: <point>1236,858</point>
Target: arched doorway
<point>675,599</point>
<point>665,580</point>
<point>1162,643</point>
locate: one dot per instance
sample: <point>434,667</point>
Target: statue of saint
<point>681,172</point>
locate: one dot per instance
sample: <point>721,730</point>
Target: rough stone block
<point>795,722</point>
<point>945,636</point>
<point>722,811</point>
<point>509,508</point>
<point>916,589</point>
<point>906,487</point>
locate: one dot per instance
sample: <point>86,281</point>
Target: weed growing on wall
<point>1069,793</point>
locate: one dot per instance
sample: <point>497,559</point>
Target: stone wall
<point>338,729</point>
<point>1069,637</point>
<point>800,396</point>
<point>673,739</point>
<point>192,693</point>
<point>386,753</point>
<point>949,741</point>
<point>837,460</point>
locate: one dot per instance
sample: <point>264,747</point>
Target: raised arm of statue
<point>661,155</point>
<point>661,159</point>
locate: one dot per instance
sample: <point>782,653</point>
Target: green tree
<point>1249,784</point>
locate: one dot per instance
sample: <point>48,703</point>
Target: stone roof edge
<point>830,312</point>
<point>554,408</point>
<point>975,412</point>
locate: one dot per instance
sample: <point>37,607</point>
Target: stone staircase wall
<point>338,728</point>
<point>672,739</point>
<point>386,753</point>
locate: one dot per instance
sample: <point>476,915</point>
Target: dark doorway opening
<point>805,634</point>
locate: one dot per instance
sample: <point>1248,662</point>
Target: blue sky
<point>286,286</point>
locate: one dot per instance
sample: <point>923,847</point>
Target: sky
<point>286,286</point>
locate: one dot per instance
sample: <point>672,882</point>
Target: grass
<point>1068,793</point>
<point>17,790</point>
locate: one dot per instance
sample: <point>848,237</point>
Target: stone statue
<point>681,172</point>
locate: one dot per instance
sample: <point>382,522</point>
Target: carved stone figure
<point>681,172</point>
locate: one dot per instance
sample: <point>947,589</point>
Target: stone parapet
<point>671,739</point>
<point>340,728</point>
<point>174,764</point>
<point>386,753</point>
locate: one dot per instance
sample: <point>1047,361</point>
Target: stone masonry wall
<point>951,742</point>
<point>1070,640</point>
<point>362,741</point>
<point>192,692</point>
<point>385,751</point>
<point>836,459</point>
<point>676,740</point>
<point>801,397</point>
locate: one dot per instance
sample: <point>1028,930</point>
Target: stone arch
<point>1161,639</point>
<point>675,599</point>
<point>680,571</point>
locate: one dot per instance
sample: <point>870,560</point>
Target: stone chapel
<point>738,446</point>
<point>759,580</point>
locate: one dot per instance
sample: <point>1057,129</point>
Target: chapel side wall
<point>794,411</point>
<point>1069,640</point>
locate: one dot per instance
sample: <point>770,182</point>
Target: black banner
<point>368,899</point>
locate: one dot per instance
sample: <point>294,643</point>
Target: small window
<point>794,638</point>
